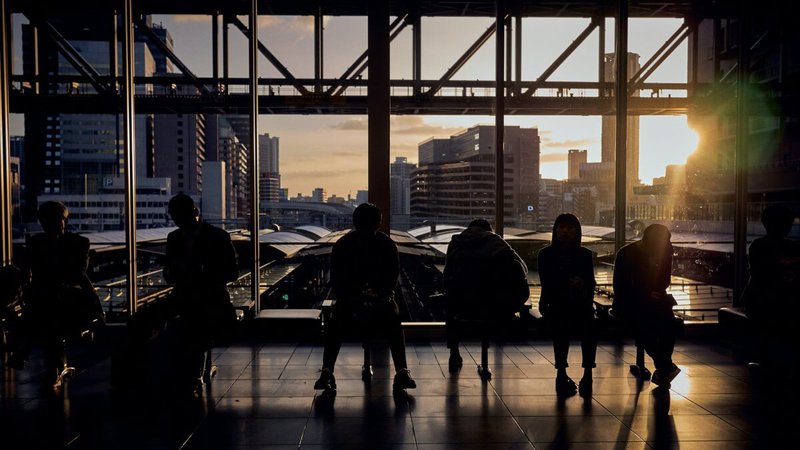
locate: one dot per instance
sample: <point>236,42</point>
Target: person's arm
<point>230,267</point>
<point>587,267</point>
<point>544,280</point>
<point>170,263</point>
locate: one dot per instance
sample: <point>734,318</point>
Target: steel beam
<point>378,103</point>
<point>152,37</point>
<point>562,57</point>
<point>270,57</point>
<point>129,119</point>
<point>6,207</point>
<point>360,64</point>
<point>318,51</point>
<point>659,57</point>
<point>517,53</point>
<point>463,59</point>
<point>740,169</point>
<point>73,56</point>
<point>215,49</point>
<point>416,50</point>
<point>225,51</point>
<point>499,120</point>
<point>621,87</point>
<point>254,175</point>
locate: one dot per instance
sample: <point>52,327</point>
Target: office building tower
<point>460,186</point>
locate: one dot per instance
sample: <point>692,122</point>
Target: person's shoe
<point>67,372</point>
<point>197,389</point>
<point>326,381</point>
<point>565,387</point>
<point>585,387</point>
<point>640,372</point>
<point>663,378</point>
<point>366,373</point>
<point>403,380</point>
<point>211,373</point>
<point>455,362</point>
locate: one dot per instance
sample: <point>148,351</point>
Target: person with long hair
<point>566,272</point>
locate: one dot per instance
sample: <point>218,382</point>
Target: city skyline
<point>338,143</point>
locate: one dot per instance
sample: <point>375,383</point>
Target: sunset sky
<point>330,151</point>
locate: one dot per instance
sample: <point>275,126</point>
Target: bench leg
<point>366,369</point>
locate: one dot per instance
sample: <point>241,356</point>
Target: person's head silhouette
<point>567,230</point>
<point>482,224</point>
<point>655,239</point>
<point>53,217</point>
<point>777,220</point>
<point>183,211</point>
<point>366,218</point>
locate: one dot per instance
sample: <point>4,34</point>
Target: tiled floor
<point>263,397</point>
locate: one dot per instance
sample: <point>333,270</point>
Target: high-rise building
<point>400,185</point>
<point>574,160</point>
<point>224,144</point>
<point>17,175</point>
<point>400,193</point>
<point>214,198</point>
<point>772,130</point>
<point>80,154</point>
<point>609,126</point>
<point>461,184</point>
<point>269,170</point>
<point>551,199</point>
<point>180,140</point>
<point>319,195</point>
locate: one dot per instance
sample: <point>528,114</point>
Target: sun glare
<point>664,141</point>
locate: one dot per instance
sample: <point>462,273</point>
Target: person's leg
<point>452,333</point>
<point>561,334</point>
<point>588,354</point>
<point>341,318</point>
<point>397,346</point>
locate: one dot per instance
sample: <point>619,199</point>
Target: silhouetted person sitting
<point>566,271</point>
<point>200,261</point>
<point>364,269</point>
<point>484,278</point>
<point>13,317</point>
<point>642,273</point>
<point>771,294</point>
<point>57,261</point>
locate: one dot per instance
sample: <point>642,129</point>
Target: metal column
<point>416,50</point>
<point>499,119</point>
<point>215,49</point>
<point>129,120</point>
<point>601,53</point>
<point>318,48</point>
<point>621,96</point>
<point>741,160</point>
<point>225,72</point>
<point>518,53</point>
<point>113,54</point>
<point>254,175</point>
<point>378,108</point>
<point>5,143</point>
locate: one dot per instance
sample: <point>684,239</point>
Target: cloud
<point>324,174</point>
<point>263,21</point>
<point>402,125</point>
<point>192,18</point>
<point>349,153</point>
<point>546,158</point>
<point>351,125</point>
<point>306,23</point>
<point>571,143</point>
